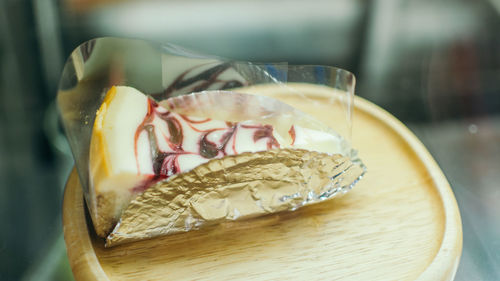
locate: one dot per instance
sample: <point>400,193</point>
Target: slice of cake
<point>136,143</point>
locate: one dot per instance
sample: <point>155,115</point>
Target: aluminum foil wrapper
<point>235,187</point>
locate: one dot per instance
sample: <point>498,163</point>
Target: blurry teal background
<point>434,64</point>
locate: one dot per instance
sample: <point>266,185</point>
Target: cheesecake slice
<point>136,143</point>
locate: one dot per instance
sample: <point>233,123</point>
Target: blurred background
<point>434,64</point>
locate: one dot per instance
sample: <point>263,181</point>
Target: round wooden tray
<point>400,222</point>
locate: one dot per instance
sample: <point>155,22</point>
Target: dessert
<point>136,143</point>
<point>161,168</point>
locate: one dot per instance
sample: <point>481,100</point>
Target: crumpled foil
<point>235,187</point>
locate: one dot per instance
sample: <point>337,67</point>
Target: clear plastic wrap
<point>240,186</point>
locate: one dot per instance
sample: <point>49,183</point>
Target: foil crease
<point>233,188</point>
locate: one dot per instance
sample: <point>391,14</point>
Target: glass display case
<point>434,65</point>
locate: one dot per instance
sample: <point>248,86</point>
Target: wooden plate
<point>400,222</point>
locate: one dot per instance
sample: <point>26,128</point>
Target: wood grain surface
<point>400,222</point>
